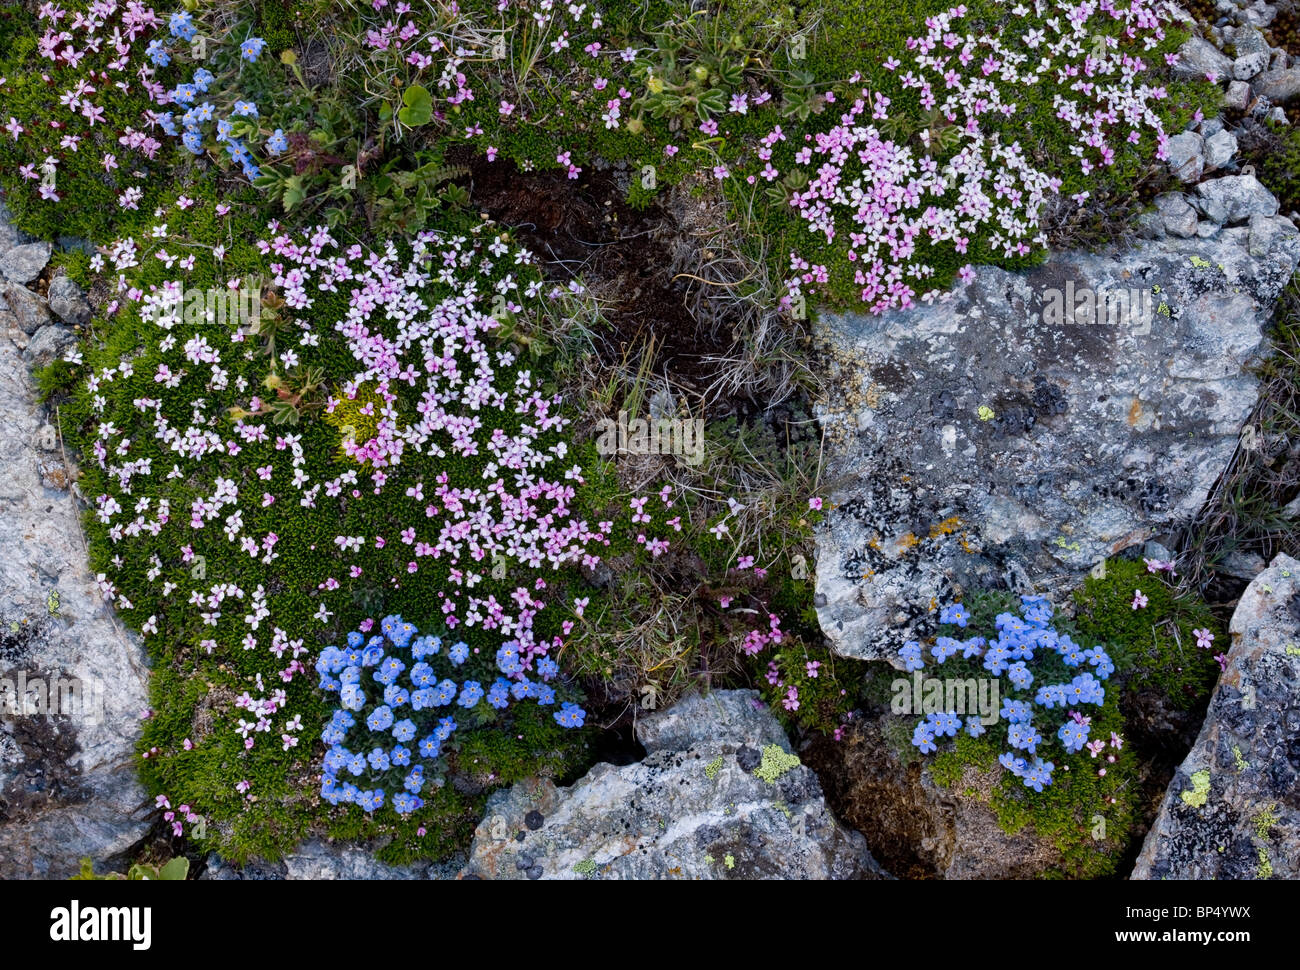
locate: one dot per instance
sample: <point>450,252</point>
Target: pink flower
<point>1203,638</point>
<point>815,504</point>
<point>1139,601</point>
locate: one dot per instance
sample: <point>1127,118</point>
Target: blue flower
<point>956,613</point>
<point>1019,675</point>
<point>1084,689</point>
<point>202,79</point>
<point>223,129</point>
<point>523,688</point>
<point>380,719</point>
<point>1101,660</point>
<point>371,800</point>
<point>430,747</point>
<point>356,764</point>
<point>352,697</point>
<point>972,647</point>
<point>508,658</point>
<point>425,647</point>
<point>378,759</point>
<point>423,698</point>
<point>569,715</point>
<point>910,654</point>
<point>547,668</point>
<point>974,726</point>
<point>459,653</point>
<point>401,756</point>
<point>944,647</point>
<point>996,659</point>
<point>443,731</point>
<point>1017,712</point>
<point>1024,737</point>
<point>1052,695</point>
<point>157,53</point>
<point>414,780</point>
<point>1038,774</point>
<point>446,693</point>
<point>499,694</point>
<point>395,696</point>
<point>404,803</point>
<point>375,651</point>
<point>471,693</point>
<point>389,670</point>
<point>356,638</point>
<point>167,123</point>
<point>251,49</point>
<point>350,675</point>
<point>404,730</point>
<point>1073,736</point>
<point>545,695</point>
<point>923,738</point>
<point>277,143</point>
<point>422,675</point>
<point>944,723</point>
<point>1013,764</point>
<point>181,24</point>
<point>193,141</point>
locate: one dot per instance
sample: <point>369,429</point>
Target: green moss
<point>1154,647</point>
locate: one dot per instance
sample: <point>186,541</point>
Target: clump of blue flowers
<point>202,104</point>
<point>387,735</point>
<point>1045,677</point>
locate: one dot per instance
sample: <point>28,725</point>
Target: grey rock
<point>64,784</point>
<point>682,812</point>
<point>1095,435</point>
<point>1219,149</point>
<point>10,236</point>
<point>48,344</point>
<point>1231,810</point>
<point>1278,86</point>
<point>1247,41</point>
<point>68,302</point>
<point>1207,229</point>
<point>1237,96</point>
<point>1185,161</point>
<point>1248,65</point>
<point>1210,126</point>
<point>1267,233</point>
<point>24,263</point>
<point>1279,115</point>
<point>1177,217</point>
<point>1239,197</point>
<point>29,310</point>
<point>317,859</point>
<point>1198,57</point>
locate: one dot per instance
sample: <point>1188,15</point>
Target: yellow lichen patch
<point>907,541</point>
<point>357,418</point>
<point>946,527</point>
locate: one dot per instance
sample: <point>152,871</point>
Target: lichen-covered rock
<point>1029,426</point>
<point>719,795</point>
<point>1198,57</point>
<point>66,786</point>
<point>1233,808</point>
